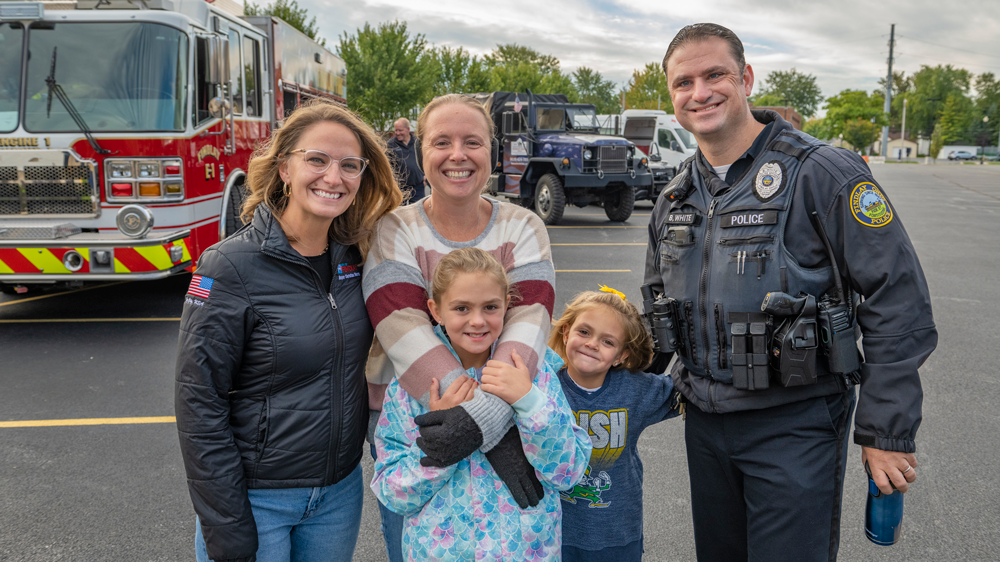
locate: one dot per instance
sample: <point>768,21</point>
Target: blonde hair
<point>638,342</point>
<point>378,193</point>
<point>467,260</point>
<point>449,99</point>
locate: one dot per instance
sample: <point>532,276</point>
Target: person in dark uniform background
<point>767,461</point>
<point>411,178</point>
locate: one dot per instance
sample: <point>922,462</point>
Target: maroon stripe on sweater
<point>395,296</point>
<point>436,363</point>
<point>534,291</point>
<point>503,353</point>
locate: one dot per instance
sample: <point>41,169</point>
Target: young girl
<point>464,511</point>
<point>604,343</point>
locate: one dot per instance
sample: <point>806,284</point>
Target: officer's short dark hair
<point>700,32</point>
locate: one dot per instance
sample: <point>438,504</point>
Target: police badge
<point>769,180</point>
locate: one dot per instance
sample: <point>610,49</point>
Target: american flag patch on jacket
<point>201,286</point>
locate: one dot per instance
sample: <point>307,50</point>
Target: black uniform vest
<point>719,257</point>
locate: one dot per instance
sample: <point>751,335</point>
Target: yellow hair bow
<point>606,289</point>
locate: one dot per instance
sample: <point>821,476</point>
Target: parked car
<point>961,155</point>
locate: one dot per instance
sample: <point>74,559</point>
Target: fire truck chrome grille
<point>32,190</point>
<point>613,159</point>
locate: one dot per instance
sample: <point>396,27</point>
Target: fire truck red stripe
<point>133,260</point>
<point>17,262</point>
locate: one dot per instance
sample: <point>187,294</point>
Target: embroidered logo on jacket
<point>348,271</point>
<point>201,286</point>
<point>870,206</point>
<point>769,180</point>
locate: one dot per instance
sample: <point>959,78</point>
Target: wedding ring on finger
<point>908,468</point>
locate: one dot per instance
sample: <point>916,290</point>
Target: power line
<point>950,61</point>
<point>949,47</point>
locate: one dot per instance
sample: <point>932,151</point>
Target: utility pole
<point>888,92</point>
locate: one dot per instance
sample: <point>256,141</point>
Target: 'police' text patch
<point>749,218</point>
<point>870,206</point>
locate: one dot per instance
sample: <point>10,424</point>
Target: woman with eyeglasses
<point>270,392</point>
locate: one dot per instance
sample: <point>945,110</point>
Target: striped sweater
<point>396,284</point>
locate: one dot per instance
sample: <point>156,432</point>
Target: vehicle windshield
<point>686,138</point>
<point>550,119</point>
<point>11,35</point>
<point>135,82</point>
<point>582,118</point>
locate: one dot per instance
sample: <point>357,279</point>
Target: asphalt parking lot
<point>100,490</point>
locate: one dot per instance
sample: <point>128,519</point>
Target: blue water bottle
<point>883,513</point>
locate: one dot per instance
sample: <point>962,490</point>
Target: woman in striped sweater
<point>455,135</point>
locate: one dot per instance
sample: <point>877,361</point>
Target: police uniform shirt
<point>876,260</point>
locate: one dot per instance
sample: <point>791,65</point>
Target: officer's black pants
<point>766,485</point>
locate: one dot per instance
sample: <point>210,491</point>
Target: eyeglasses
<point>318,161</point>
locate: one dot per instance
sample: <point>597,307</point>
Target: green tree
<point>593,88</point>
<point>516,68</point>
<point>901,87</point>
<point>647,86</point>
<point>851,105</point>
<point>512,54</point>
<point>861,133</point>
<point>931,88</point>
<point>957,120</point>
<point>988,102</point>
<point>389,72</point>
<point>794,88</point>
<point>289,11</point>
<point>937,141</point>
<point>459,72</point>
<point>816,127</point>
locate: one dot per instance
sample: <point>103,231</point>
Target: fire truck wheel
<point>550,199</point>
<point>7,289</point>
<point>619,206</point>
<point>233,221</point>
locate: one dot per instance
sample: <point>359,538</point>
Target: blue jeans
<point>392,528</point>
<point>304,524</point>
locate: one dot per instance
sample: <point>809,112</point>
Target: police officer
<point>411,178</point>
<point>767,449</point>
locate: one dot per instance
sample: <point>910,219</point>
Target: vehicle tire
<point>235,203</point>
<point>550,199</point>
<point>619,206</point>
<point>7,289</point>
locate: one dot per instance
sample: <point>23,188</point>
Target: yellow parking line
<point>602,244</point>
<point>19,301</point>
<point>58,320</point>
<point>87,421</point>
<point>593,271</point>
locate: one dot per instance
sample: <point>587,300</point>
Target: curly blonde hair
<point>638,342</point>
<point>378,193</point>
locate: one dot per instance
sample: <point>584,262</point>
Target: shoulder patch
<point>870,206</point>
<point>769,181</point>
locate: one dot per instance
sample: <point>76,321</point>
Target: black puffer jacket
<point>270,389</point>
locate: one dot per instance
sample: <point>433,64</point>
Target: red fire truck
<point>126,128</point>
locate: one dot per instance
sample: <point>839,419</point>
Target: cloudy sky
<point>843,43</point>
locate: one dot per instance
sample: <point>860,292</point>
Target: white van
<point>659,135</point>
